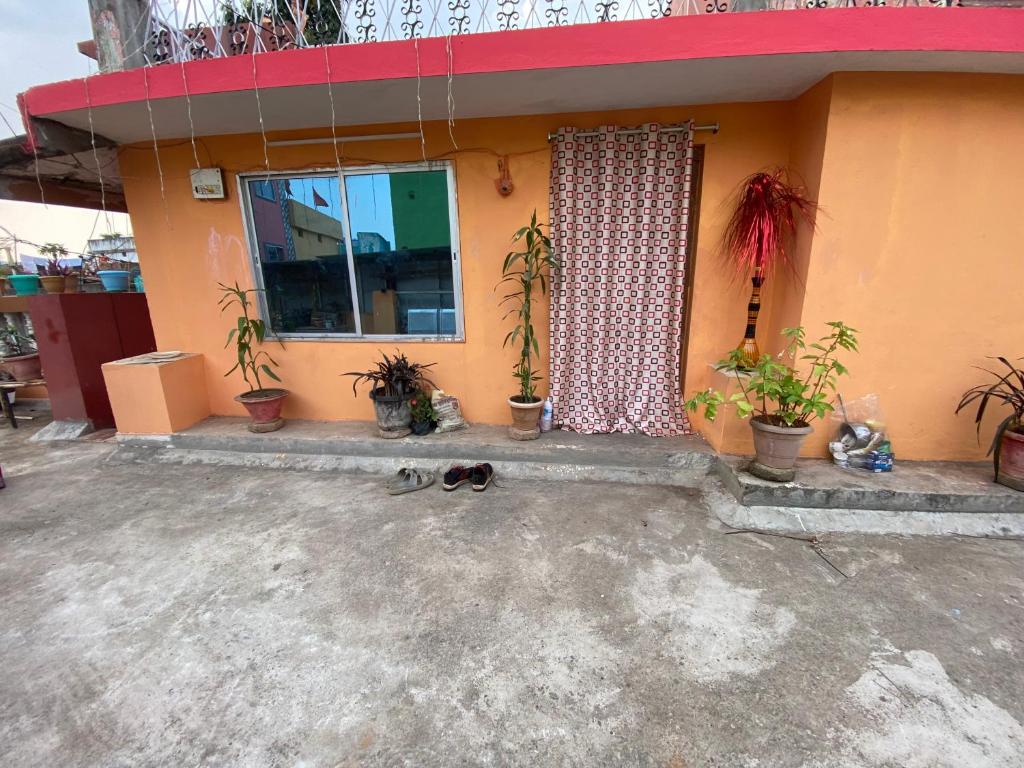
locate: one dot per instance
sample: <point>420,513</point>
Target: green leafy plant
<point>55,253</point>
<point>774,391</point>
<point>16,344</point>
<point>247,333</point>
<point>1007,389</point>
<point>393,376</point>
<point>525,269</point>
<point>422,408</point>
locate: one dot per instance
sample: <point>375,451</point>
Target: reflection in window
<point>402,249</point>
<point>399,226</point>
<point>306,278</point>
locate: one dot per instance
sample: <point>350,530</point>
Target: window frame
<point>255,264</point>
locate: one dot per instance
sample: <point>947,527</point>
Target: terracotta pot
<point>3,286</point>
<point>71,284</point>
<point>24,367</point>
<point>525,418</point>
<point>394,414</point>
<point>264,407</point>
<point>777,447</point>
<point>1011,460</point>
<point>53,283</point>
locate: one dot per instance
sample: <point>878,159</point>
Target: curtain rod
<point>713,127</point>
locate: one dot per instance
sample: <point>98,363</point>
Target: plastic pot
<point>394,414</point>
<point>52,283</point>
<point>114,280</point>
<point>139,286</point>
<point>777,447</point>
<point>23,367</point>
<point>24,285</point>
<point>264,407</point>
<point>1011,460</point>
<point>525,418</point>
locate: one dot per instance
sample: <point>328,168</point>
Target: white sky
<point>38,45</point>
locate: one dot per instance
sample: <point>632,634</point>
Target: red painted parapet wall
<point>673,38</point>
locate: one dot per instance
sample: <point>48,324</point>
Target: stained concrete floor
<point>210,616</point>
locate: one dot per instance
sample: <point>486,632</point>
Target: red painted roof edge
<point>626,42</point>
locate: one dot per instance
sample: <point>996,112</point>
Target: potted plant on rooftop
<point>525,270</point>
<point>55,274</point>
<point>1007,447</point>
<point>19,355</point>
<point>394,382</point>
<point>780,400</point>
<point>264,405</point>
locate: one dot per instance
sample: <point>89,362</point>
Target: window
<point>383,260</point>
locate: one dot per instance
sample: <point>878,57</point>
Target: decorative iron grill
<point>183,30</point>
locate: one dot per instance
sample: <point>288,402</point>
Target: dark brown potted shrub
<point>20,358</point>
<point>393,383</point>
<point>264,405</point>
<point>525,269</point>
<point>1007,447</point>
<point>780,400</point>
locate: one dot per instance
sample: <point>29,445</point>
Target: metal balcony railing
<point>184,30</point>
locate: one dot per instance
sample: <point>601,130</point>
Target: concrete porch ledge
<point>913,486</point>
<point>355,446</point>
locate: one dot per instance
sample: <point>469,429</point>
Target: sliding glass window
<point>367,253</point>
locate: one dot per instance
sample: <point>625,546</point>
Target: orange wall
<point>921,247</point>
<point>917,245</point>
<point>186,247</point>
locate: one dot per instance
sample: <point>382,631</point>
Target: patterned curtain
<point>619,215</point>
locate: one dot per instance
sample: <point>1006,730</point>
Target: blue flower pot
<point>137,281</point>
<point>114,280</point>
<point>25,285</point>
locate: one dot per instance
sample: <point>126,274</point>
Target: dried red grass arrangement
<point>767,213</point>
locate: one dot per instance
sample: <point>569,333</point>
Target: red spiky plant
<point>767,213</point>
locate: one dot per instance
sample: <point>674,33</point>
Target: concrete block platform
<point>356,446</point>
<point>917,486</point>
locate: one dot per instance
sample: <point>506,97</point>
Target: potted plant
<point>780,400</point>
<point>20,358</point>
<point>394,381</point>
<point>766,216</point>
<point>54,273</point>
<point>264,405</point>
<point>423,416</point>
<point>23,284</point>
<point>525,270</point>
<point>1007,447</point>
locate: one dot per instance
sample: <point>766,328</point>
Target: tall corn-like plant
<point>247,333</point>
<point>525,270</point>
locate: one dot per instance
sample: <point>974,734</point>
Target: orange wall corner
<point>157,398</point>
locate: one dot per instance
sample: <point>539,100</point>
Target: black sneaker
<point>482,474</point>
<point>457,476</point>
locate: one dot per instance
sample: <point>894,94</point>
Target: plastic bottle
<point>545,416</point>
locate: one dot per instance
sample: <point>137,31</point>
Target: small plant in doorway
<point>525,270</point>
<point>780,400</point>
<point>394,381</point>
<point>1007,449</point>
<point>264,405</point>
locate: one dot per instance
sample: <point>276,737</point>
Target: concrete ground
<point>223,616</point>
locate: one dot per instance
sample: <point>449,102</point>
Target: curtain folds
<point>620,207</point>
